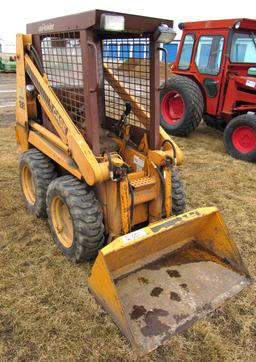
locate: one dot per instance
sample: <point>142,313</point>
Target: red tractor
<point>215,79</point>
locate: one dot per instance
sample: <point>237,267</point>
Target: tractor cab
<point>218,59</point>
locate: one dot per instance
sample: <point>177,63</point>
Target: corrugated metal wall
<point>133,50</point>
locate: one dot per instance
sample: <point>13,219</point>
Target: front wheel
<point>182,106</point>
<point>178,197</point>
<point>178,194</point>
<point>240,137</point>
<point>75,218</point>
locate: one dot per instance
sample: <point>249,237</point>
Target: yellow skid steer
<point>96,162</point>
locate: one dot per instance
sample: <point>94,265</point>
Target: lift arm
<point>91,170</point>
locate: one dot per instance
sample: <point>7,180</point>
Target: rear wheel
<point>240,137</point>
<point>75,218</point>
<point>182,106</point>
<point>36,173</point>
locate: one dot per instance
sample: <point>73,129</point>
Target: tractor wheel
<point>182,106</point>
<point>178,195</point>
<point>75,218</point>
<point>36,173</point>
<point>240,137</point>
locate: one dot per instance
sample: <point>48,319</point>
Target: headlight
<point>237,24</point>
<point>164,34</point>
<point>112,22</point>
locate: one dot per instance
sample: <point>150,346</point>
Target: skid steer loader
<point>95,161</point>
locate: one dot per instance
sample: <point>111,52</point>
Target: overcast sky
<point>15,14</point>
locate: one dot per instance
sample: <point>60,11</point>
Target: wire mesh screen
<point>62,60</point>
<point>128,61</point>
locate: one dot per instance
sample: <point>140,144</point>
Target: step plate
<point>143,182</point>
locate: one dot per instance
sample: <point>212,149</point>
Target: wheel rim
<point>28,185</point>
<point>62,221</point>
<point>244,139</point>
<point>172,107</point>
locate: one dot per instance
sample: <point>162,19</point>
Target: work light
<point>164,34</point>
<point>237,24</point>
<point>112,22</point>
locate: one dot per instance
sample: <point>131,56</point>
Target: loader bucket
<point>157,281</point>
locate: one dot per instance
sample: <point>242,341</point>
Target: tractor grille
<point>128,61</point>
<point>62,60</point>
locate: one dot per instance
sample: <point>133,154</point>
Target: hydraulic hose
<point>173,148</point>
<point>162,183</point>
<point>132,202</point>
<point>37,60</point>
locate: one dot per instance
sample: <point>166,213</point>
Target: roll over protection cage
<point>83,62</point>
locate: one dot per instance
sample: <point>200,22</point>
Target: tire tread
<point>43,171</point>
<point>195,107</point>
<point>86,214</point>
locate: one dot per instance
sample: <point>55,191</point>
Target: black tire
<point>214,123</point>
<point>42,170</point>
<point>233,145</point>
<point>86,217</point>
<point>193,104</point>
<point>178,194</point>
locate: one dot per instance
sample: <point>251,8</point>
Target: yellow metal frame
<point>131,252</point>
<point>70,150</point>
<point>22,114</point>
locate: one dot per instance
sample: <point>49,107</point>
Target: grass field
<point>46,311</point>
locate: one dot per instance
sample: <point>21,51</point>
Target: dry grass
<point>46,312</point>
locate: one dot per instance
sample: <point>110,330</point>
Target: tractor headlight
<point>112,22</point>
<point>237,24</point>
<point>164,34</point>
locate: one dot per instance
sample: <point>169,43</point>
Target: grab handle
<point>165,66</point>
<point>90,43</point>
